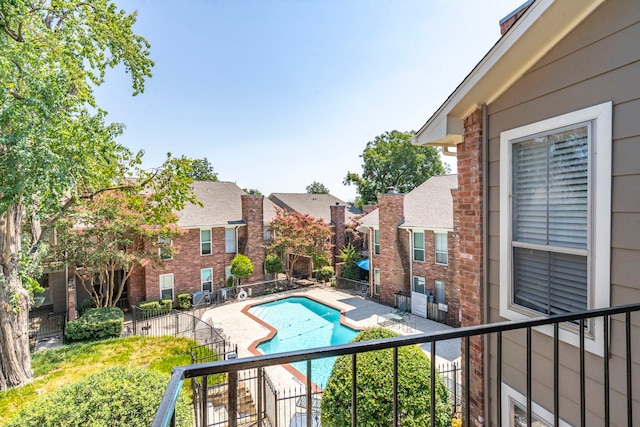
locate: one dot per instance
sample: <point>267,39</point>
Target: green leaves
<point>391,160</point>
<point>375,387</point>
<point>241,267</point>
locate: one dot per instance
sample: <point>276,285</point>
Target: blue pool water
<point>303,323</point>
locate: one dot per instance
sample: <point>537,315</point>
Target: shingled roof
<point>222,206</point>
<point>429,205</point>
<point>315,205</point>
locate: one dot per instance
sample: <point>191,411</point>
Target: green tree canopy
<point>374,387</point>
<point>391,160</point>
<point>202,170</point>
<point>57,147</point>
<point>317,188</point>
<point>299,235</point>
<point>241,267</point>
<point>109,237</point>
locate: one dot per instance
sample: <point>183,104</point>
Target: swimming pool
<point>303,323</point>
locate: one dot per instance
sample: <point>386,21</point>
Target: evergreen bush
<point>184,300</point>
<point>96,324</point>
<point>374,389</point>
<point>112,397</point>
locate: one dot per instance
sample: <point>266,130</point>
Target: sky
<point>277,94</point>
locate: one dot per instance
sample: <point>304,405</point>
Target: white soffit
<point>540,28</point>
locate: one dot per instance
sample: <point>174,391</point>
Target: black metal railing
<point>165,415</point>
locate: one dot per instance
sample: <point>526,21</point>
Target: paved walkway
<point>360,312</point>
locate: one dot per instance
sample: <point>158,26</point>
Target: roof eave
<point>539,29</point>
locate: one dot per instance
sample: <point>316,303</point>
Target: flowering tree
<point>299,235</point>
<point>109,237</point>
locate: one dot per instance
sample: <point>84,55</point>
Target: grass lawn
<point>67,364</point>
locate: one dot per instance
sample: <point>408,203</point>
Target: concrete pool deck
<point>360,313</point>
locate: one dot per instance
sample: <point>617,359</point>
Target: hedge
<point>96,324</point>
<point>156,305</point>
<point>374,389</point>
<point>184,300</point>
<point>112,397</point>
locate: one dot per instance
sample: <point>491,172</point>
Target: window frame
<point>227,248</point>
<point>436,284</point>
<point>376,281</point>
<point>414,249</point>
<point>160,277</point>
<point>438,250</point>
<point>203,242</point>
<point>202,281</point>
<point>511,396</point>
<point>376,241</point>
<point>424,284</point>
<point>163,240</point>
<point>599,227</point>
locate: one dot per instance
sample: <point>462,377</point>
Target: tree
<point>56,146</point>
<point>111,236</point>
<point>349,256</point>
<point>317,188</point>
<point>391,160</point>
<point>297,235</point>
<point>374,387</point>
<point>273,264</point>
<point>202,170</point>
<point>241,267</point>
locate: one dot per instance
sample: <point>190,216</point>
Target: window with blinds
<point>550,220</point>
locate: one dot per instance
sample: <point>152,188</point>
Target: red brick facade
<point>251,237</point>
<point>432,272</point>
<point>338,235</point>
<point>392,261</point>
<point>468,205</point>
<point>187,264</point>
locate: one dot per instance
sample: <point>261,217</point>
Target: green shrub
<point>156,305</point>
<point>231,281</point>
<point>374,389</point>
<point>324,274</point>
<point>184,300</point>
<point>112,397</point>
<point>241,267</point>
<point>96,324</point>
<point>273,264</point>
<point>84,305</point>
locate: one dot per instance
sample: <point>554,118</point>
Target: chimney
<point>253,216</point>
<point>392,245</point>
<point>338,221</point>
<point>508,21</point>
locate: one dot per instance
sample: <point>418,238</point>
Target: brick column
<point>468,200</point>
<point>391,214</point>
<point>253,216</point>
<point>72,314</point>
<point>337,220</point>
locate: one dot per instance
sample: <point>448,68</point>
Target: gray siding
<point>597,62</point>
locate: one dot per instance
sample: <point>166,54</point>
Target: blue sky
<point>280,93</point>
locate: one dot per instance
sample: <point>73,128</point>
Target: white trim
<point>168,242</point>
<point>510,394</point>
<point>435,248</point>
<point>210,241</point>
<point>235,240</point>
<point>413,246</point>
<point>600,187</point>
<point>202,282</point>
<point>533,35</point>
<point>173,291</point>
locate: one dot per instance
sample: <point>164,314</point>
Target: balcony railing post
<point>499,377</point>
<point>529,410</point>
<point>309,385</point>
<point>629,371</point>
<point>433,384</point>
<point>556,374</point>
<point>582,381</point>
<point>204,408</point>
<point>354,373</point>
<point>395,387</point>
<point>607,414</point>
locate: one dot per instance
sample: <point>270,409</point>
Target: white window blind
<point>230,240</point>
<point>550,214</point>
<point>442,249</point>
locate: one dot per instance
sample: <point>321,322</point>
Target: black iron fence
<point>177,323</point>
<point>45,323</point>
<point>622,369</point>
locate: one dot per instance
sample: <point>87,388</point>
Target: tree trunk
<point>15,359</point>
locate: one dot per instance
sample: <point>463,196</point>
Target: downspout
<point>411,261</point>
<point>485,258</point>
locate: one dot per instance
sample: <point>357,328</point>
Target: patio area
<point>359,312</point>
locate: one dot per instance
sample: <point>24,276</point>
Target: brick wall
<point>253,234</point>
<point>338,238</point>
<point>393,243</point>
<point>432,272</point>
<point>188,262</point>
<point>468,202</point>
<point>508,22</point>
